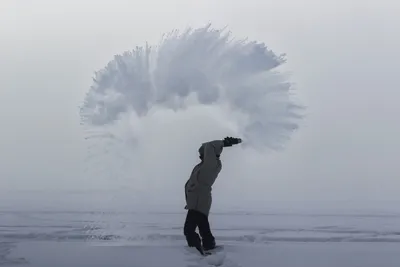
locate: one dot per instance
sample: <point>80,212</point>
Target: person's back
<point>198,187</point>
<point>198,193</point>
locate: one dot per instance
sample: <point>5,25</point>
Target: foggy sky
<point>342,58</point>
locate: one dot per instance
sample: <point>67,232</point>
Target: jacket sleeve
<point>210,162</point>
<point>212,150</point>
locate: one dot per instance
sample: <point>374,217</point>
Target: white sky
<point>343,57</point>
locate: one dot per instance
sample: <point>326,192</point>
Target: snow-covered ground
<point>146,239</point>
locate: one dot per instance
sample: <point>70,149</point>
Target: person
<point>198,194</point>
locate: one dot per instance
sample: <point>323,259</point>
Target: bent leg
<point>189,230</point>
<point>205,232</point>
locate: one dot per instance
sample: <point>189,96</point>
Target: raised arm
<point>211,165</point>
<point>212,151</point>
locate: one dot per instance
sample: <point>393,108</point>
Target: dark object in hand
<point>230,141</point>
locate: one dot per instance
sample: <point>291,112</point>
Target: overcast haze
<point>342,58</point>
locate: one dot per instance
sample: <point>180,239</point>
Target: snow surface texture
<point>66,238</point>
<point>191,70</point>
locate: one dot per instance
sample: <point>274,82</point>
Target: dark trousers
<point>196,219</point>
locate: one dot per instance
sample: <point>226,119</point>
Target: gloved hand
<point>230,141</point>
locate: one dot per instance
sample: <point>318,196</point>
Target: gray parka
<point>204,174</point>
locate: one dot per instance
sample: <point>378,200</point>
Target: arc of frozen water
<point>208,63</point>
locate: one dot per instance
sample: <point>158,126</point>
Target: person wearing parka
<point>198,193</point>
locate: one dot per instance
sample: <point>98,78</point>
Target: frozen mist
<point>196,68</point>
<point>193,86</point>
